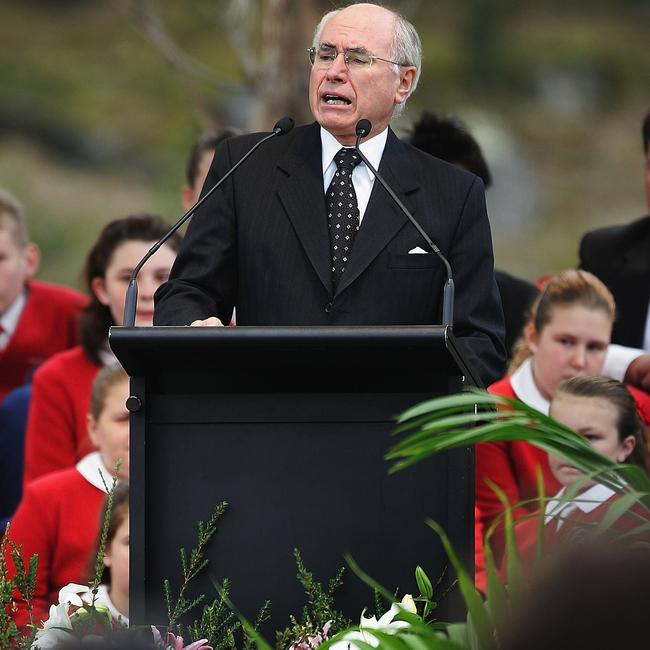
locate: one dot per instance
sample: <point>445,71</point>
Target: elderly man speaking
<point>303,233</point>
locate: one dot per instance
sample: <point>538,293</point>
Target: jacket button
<point>328,307</point>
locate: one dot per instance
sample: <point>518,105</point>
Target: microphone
<point>282,127</point>
<point>362,130</point>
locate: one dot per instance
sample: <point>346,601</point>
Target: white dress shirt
<point>362,178</point>
<point>9,320</point>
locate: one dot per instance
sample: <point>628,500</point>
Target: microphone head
<point>364,127</point>
<point>283,126</point>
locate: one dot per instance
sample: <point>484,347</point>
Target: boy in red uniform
<point>37,319</point>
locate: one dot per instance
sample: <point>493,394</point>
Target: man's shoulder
<point>616,235</point>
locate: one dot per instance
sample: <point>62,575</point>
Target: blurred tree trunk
<point>283,77</point>
<point>269,39</point>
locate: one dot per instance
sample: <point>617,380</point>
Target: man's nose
<point>338,69</point>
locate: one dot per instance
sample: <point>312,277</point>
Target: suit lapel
<point>383,219</point>
<point>303,198</point>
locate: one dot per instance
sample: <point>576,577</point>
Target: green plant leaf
<point>479,618</point>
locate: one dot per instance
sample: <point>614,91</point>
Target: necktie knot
<point>347,159</point>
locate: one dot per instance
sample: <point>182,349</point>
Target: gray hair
<point>406,47</point>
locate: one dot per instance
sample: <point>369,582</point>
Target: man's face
<point>339,97</point>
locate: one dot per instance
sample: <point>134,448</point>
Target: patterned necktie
<point>342,211</point>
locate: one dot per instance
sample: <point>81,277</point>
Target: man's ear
<point>32,257</point>
<point>406,81</point>
<point>98,286</point>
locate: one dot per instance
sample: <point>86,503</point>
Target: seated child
<point>56,435</point>
<point>59,513</point>
<point>113,591</point>
<point>603,411</point>
<point>37,319</point>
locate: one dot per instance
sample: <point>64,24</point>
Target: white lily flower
<point>77,595</point>
<point>385,624</point>
<point>409,604</point>
<point>57,628</point>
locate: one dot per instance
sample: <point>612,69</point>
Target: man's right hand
<point>213,321</point>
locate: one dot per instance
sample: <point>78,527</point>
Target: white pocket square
<point>417,251</point>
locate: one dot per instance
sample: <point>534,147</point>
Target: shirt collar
<point>90,466</point>
<point>12,314</point>
<point>372,149</point>
<point>524,387</point>
<point>586,501</point>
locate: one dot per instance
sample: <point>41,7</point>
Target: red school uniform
<point>56,436</point>
<point>47,325</point>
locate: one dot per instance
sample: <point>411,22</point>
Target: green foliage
<point>23,581</point>
<point>471,417</point>
<point>318,610</point>
<point>179,606</point>
<point>219,625</point>
<point>99,559</point>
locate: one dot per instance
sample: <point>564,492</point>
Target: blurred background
<point>101,100</point>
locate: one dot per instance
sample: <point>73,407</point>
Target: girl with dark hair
<point>56,427</point>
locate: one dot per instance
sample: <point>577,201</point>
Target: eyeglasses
<point>324,56</point>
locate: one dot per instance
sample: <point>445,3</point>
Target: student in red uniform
<point>37,319</point>
<point>59,513</point>
<point>56,431</point>
<point>567,336</point>
<point>603,411</point>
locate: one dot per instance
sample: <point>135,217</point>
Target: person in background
<point>56,434</point>
<point>113,592</point>
<point>620,257</point>
<point>567,336</point>
<point>199,161</point>
<point>37,319</point>
<point>58,515</point>
<point>449,139</point>
<point>605,414</point>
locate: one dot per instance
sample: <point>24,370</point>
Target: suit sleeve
<point>478,316</point>
<point>203,280</point>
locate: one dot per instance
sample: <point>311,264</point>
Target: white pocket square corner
<point>417,251</point>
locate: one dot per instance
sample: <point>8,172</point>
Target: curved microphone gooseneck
<point>363,128</point>
<point>281,127</point>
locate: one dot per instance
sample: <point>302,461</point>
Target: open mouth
<point>335,100</point>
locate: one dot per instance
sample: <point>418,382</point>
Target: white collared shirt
<point>524,387</point>
<point>90,467</point>
<point>362,178</point>
<point>586,501</point>
<point>9,320</point>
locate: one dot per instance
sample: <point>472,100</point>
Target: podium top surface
<point>417,350</point>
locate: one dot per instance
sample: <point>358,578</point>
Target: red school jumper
<point>58,518</point>
<point>56,436</point>
<point>47,325</point>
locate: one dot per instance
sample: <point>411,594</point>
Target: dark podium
<point>289,426</point>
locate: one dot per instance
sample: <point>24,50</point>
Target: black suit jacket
<point>620,257</point>
<point>261,244</point>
